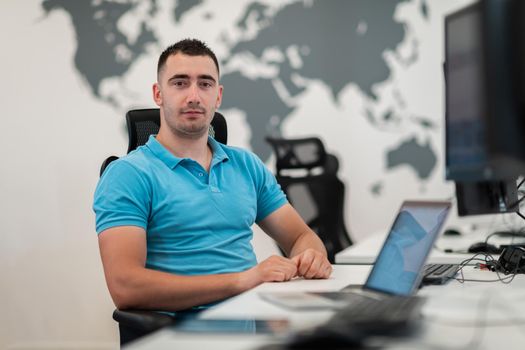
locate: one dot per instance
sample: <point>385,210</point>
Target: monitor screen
<point>484,103</point>
<point>466,146</point>
<point>482,121</point>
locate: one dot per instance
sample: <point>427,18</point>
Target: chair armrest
<point>106,162</point>
<point>142,320</point>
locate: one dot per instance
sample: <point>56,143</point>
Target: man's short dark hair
<point>190,47</point>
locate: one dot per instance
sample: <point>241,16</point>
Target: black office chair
<point>141,124</point>
<point>308,176</point>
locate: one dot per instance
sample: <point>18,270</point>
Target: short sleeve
<point>270,196</point>
<point>122,198</point>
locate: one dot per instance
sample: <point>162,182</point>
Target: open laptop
<point>397,271</point>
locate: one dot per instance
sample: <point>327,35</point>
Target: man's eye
<point>179,83</point>
<point>206,84</point>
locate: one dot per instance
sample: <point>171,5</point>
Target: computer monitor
<point>484,112</point>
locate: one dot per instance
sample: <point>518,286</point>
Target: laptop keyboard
<point>439,273</point>
<point>388,310</point>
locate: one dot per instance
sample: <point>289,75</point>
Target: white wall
<point>53,289</point>
<point>55,135</point>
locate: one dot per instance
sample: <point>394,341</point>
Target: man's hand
<point>298,240</point>
<point>274,269</point>
<point>312,264</point>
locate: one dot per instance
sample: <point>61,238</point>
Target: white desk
<point>366,251</point>
<point>458,316</point>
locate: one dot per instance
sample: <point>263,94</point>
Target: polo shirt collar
<point>172,161</point>
<point>162,152</point>
<point>218,152</point>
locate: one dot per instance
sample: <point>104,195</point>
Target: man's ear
<point>219,97</point>
<point>157,94</point>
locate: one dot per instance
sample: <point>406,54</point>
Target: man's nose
<point>193,94</point>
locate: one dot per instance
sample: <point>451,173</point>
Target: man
<point>174,217</point>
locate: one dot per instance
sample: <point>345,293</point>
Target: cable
<point>520,214</point>
<point>517,203</point>
<point>490,262</point>
<point>505,280</point>
<point>513,234</point>
<point>481,322</point>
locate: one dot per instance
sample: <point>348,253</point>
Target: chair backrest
<point>142,123</point>
<point>145,122</point>
<point>307,153</point>
<point>308,176</point>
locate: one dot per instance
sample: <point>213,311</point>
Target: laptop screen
<point>398,266</point>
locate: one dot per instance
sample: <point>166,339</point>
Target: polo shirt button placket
<point>213,184</point>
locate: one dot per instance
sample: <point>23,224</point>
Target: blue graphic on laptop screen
<point>406,248</point>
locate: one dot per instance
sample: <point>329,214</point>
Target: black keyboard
<point>439,273</point>
<point>389,311</point>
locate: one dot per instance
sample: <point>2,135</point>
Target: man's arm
<point>132,285</point>
<point>299,242</point>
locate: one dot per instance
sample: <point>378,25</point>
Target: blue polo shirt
<point>196,222</point>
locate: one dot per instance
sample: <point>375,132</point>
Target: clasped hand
<point>309,264</point>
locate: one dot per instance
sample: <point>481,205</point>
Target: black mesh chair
<point>142,123</point>
<point>308,176</point>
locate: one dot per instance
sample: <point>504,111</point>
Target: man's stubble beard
<point>193,130</point>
